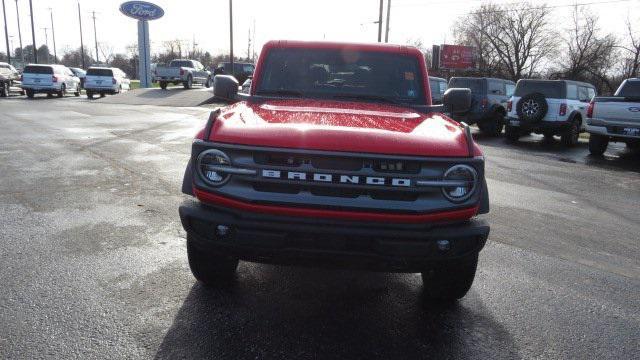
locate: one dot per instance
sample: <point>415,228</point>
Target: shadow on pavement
<point>618,156</point>
<point>281,312</point>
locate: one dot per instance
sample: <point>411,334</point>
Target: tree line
<point>522,41</point>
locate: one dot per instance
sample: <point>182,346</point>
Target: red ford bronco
<point>337,157</point>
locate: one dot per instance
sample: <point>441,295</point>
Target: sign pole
<point>143,12</point>
<point>144,53</point>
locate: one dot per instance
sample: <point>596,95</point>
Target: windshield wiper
<point>369,97</point>
<point>281,92</point>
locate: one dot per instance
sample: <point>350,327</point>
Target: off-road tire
<point>189,83</point>
<point>449,281</point>
<point>210,268</point>
<point>598,144</point>
<point>163,85</point>
<point>569,136</point>
<point>532,108</point>
<point>207,84</point>
<point>492,126</point>
<point>633,144</point>
<point>4,89</point>
<point>511,133</point>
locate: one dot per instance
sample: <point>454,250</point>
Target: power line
<point>547,7</point>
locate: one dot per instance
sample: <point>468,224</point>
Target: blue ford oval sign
<point>141,10</point>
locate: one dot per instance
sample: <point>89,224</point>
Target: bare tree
<point>631,52</point>
<point>521,37</point>
<point>468,30</point>
<point>588,54</point>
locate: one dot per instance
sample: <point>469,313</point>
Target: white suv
<point>549,107</point>
<point>49,79</point>
<point>105,80</point>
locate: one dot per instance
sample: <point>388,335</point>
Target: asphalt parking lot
<point>94,258</point>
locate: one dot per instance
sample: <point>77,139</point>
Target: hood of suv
<point>340,126</point>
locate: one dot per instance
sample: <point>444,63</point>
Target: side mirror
<point>457,100</point>
<point>225,87</point>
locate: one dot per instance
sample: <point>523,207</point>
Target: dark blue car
<point>489,102</point>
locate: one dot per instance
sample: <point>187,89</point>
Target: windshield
<point>474,84</point>
<point>334,73</point>
<point>181,63</point>
<point>34,69</point>
<point>550,89</point>
<point>629,89</point>
<point>100,72</point>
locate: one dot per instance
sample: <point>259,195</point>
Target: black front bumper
<point>322,242</point>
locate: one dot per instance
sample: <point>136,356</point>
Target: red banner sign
<point>457,57</point>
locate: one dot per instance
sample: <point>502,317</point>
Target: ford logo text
<point>141,10</point>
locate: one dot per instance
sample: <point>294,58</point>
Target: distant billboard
<point>457,57</point>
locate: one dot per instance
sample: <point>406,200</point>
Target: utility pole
<point>19,33</point>
<point>46,43</point>
<point>33,34</point>
<point>253,42</point>
<point>53,35</point>
<point>81,42</point>
<point>249,45</point>
<point>231,37</point>
<point>95,36</point>
<point>380,21</point>
<point>6,32</point>
<point>386,34</point>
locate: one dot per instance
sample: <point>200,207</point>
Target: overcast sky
<point>207,20</point>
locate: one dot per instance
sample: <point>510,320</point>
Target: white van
<point>105,80</point>
<point>49,79</point>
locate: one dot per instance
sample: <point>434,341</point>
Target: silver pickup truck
<point>187,72</point>
<point>615,118</point>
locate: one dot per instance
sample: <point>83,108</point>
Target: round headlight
<point>464,179</point>
<point>208,165</point>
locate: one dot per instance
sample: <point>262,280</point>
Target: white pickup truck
<point>187,72</point>
<point>615,118</point>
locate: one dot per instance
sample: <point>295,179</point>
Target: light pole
<point>386,33</point>
<point>19,33</point>
<point>33,34</point>
<point>6,32</point>
<point>231,36</point>
<point>380,21</point>
<point>81,42</point>
<point>95,36</point>
<point>46,43</point>
<point>53,35</point>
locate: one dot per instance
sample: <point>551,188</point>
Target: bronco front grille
<point>333,179</point>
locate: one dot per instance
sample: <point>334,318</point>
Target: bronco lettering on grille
<point>335,178</point>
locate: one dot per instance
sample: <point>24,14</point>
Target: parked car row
<point>54,79</point>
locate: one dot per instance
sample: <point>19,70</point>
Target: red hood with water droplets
<point>341,126</point>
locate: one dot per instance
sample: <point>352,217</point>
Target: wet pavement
<point>94,260</point>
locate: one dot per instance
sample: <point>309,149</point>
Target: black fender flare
<point>187,180</point>
<point>484,199</point>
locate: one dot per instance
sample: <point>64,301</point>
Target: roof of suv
<point>557,81</point>
<point>481,78</point>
